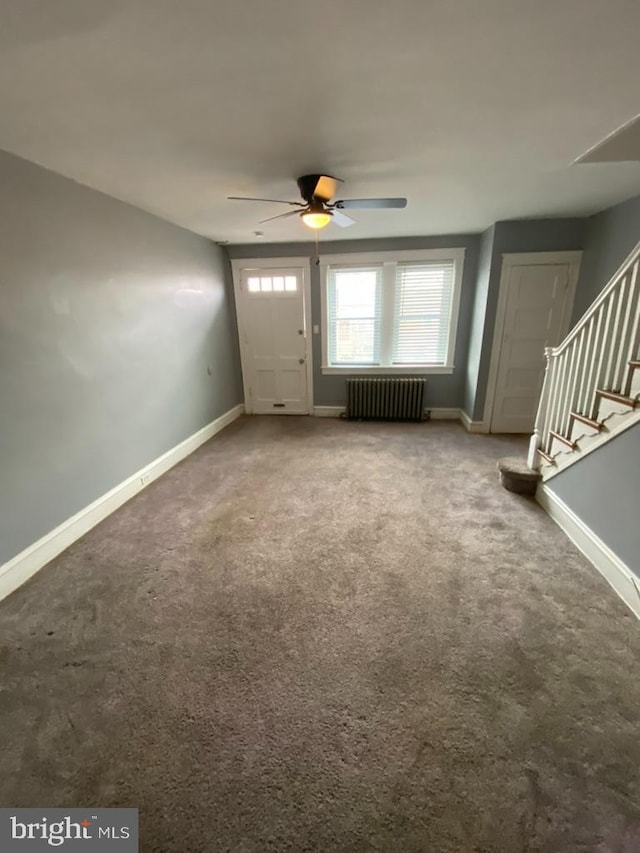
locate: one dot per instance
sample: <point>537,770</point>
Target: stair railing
<point>594,356</point>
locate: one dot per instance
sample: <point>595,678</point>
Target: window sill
<point>383,371</point>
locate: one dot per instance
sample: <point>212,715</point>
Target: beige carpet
<point>316,635</point>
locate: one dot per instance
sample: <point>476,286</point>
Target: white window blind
<point>353,303</point>
<point>422,312</point>
<point>391,312</point>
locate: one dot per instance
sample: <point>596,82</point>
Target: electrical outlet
<point>145,479</point>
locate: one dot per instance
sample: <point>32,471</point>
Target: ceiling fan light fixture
<point>316,219</point>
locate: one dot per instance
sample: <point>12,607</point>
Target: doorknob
<point>301,360</point>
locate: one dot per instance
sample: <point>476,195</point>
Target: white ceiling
<point>472,109</point>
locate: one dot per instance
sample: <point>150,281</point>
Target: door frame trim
<point>303,263</point>
<point>515,259</point>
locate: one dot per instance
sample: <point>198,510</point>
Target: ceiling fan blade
<point>322,187</point>
<point>341,219</point>
<point>373,203</point>
<point>280,216</point>
<point>326,187</point>
<point>275,200</point>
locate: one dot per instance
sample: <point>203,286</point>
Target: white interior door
<point>273,337</point>
<point>535,305</point>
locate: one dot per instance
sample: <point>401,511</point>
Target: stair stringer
<point>613,424</point>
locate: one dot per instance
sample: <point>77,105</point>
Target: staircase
<point>591,388</point>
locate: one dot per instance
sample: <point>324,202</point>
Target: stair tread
<point>562,438</point>
<point>546,457</point>
<point>585,420</point>
<point>617,398</point>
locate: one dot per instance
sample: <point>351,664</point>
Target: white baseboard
<point>444,414</point>
<point>328,411</point>
<point>21,567</point>
<point>610,566</point>
<point>472,426</point>
<point>436,414</point>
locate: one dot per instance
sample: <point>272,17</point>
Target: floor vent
<point>385,399</point>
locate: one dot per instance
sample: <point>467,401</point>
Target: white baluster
<point>556,392</point>
<point>601,350</point>
<point>567,401</point>
<point>628,327</point>
<point>537,437</point>
<point>561,390</point>
<point>585,391</point>
<point>577,369</point>
<point>594,364</point>
<point>611,378</point>
<point>609,341</point>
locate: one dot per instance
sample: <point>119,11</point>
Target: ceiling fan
<point>317,210</point>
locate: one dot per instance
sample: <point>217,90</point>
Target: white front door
<point>534,309</point>
<point>273,339</point>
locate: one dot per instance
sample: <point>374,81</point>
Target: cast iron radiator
<point>385,399</point>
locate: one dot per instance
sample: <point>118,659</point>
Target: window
<point>391,312</point>
<point>272,284</point>
<point>354,308</point>
<point>422,312</point>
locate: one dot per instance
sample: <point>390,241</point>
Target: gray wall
<point>610,236</point>
<point>603,489</point>
<point>117,341</point>
<point>527,235</point>
<point>444,391</point>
